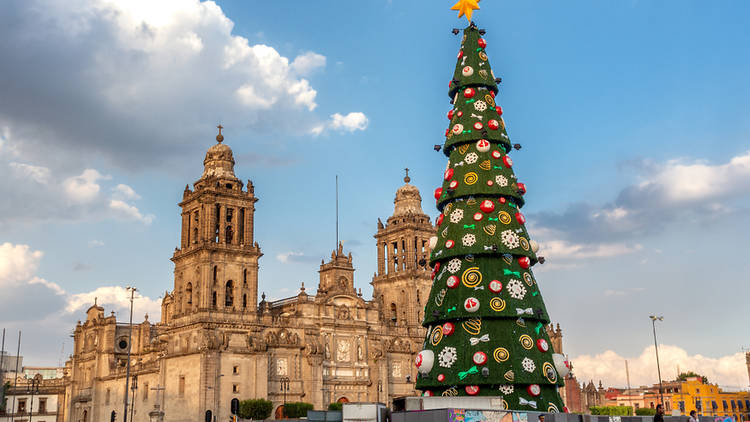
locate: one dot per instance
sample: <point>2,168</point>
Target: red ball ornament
<point>435,270</point>
<point>439,220</point>
<point>438,192</point>
<point>441,378</point>
<point>479,358</point>
<point>492,93</point>
<point>497,154</point>
<point>453,184</point>
<point>452,282</point>
<point>450,115</point>
<point>565,409</point>
<point>482,43</point>
<point>478,125</point>
<point>487,206</point>
<point>469,92</point>
<point>459,113</point>
<point>534,390</point>
<point>520,218</point>
<point>508,161</point>
<point>447,131</point>
<point>524,262</point>
<point>502,200</point>
<point>471,304</point>
<point>427,393</point>
<point>499,110</point>
<point>542,345</point>
<point>490,183</point>
<point>449,243</point>
<point>448,328</point>
<point>495,286</point>
<point>478,216</point>
<point>493,124</point>
<point>472,390</point>
<point>483,145</point>
<point>418,360</point>
<point>448,175</point>
<point>460,53</point>
<point>521,188</point>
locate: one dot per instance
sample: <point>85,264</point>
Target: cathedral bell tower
<point>216,265</point>
<point>402,283</point>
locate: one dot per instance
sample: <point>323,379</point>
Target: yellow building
<point>708,400</point>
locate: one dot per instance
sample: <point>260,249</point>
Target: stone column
<point>381,259</point>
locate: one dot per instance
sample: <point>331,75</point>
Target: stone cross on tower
<point>220,137</point>
<point>407,179</point>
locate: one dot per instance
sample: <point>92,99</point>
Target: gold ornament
<point>508,259</point>
<point>510,376</point>
<point>471,201</point>
<point>472,326</point>
<point>483,56</point>
<point>437,335</point>
<point>469,258</point>
<point>470,178</point>
<point>471,277</point>
<point>504,217</point>
<point>440,297</point>
<point>549,372</point>
<point>451,392</point>
<point>489,229</point>
<point>528,279</point>
<point>501,354</point>
<point>463,148</point>
<point>483,74</point>
<point>526,341</point>
<point>466,7</point>
<point>524,243</point>
<point>485,165</point>
<point>497,304</point>
<point>491,101</point>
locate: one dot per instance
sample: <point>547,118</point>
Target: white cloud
<point>125,192</point>
<point>18,263</point>
<point>729,371</point>
<point>342,123</point>
<point>284,257</point>
<point>84,187</point>
<point>38,174</point>
<point>116,298</point>
<point>563,250</point>
<point>129,211</point>
<point>128,69</point>
<point>623,292</point>
<point>95,243</point>
<point>305,64</point>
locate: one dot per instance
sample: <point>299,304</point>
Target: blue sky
<point>632,116</point>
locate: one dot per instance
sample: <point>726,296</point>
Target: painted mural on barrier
<point>463,415</point>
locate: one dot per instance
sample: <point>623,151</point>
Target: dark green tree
<point>485,315</point>
<point>689,374</point>
<point>256,409</point>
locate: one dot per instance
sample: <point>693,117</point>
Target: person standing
<point>659,416</point>
<point>693,417</point>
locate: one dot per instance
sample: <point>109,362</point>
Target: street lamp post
<point>654,318</point>
<point>132,389</point>
<point>34,388</point>
<point>284,388</point>
<point>130,340</point>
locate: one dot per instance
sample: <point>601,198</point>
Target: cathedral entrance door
<point>342,400</point>
<point>279,412</point>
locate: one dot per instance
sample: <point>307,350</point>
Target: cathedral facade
<point>216,341</point>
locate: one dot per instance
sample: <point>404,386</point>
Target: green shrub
<point>611,410</point>
<point>297,409</point>
<point>256,409</point>
<point>645,411</point>
<point>335,406</point>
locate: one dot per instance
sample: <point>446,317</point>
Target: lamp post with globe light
<point>654,318</point>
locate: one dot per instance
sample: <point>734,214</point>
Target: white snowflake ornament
<point>528,365</point>
<point>501,180</point>
<point>516,289</point>
<point>506,389</point>
<point>480,105</point>
<point>469,239</point>
<point>471,158</point>
<point>509,239</point>
<point>457,215</point>
<point>454,265</point>
<point>447,357</point>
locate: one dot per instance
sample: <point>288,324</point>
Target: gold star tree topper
<point>466,7</point>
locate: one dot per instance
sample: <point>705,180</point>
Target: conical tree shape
<point>485,315</point>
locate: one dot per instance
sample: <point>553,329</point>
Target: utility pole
<point>15,375</point>
<point>130,344</point>
<point>656,347</point>
<point>627,376</point>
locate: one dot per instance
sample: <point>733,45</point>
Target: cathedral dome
<point>408,200</point>
<point>219,161</point>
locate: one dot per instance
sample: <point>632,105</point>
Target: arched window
<point>213,301</point>
<point>215,271</point>
<point>394,314</point>
<point>244,300</point>
<point>189,293</point>
<point>244,277</point>
<point>195,235</point>
<point>229,294</point>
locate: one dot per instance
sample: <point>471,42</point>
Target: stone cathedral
<point>215,341</point>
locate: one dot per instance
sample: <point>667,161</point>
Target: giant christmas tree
<point>485,316</point>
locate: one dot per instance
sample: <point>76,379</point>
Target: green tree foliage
<point>297,409</point>
<point>335,406</point>
<point>256,409</point>
<point>611,410</point>
<point>3,393</point>
<point>645,411</point>
<point>689,374</point>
